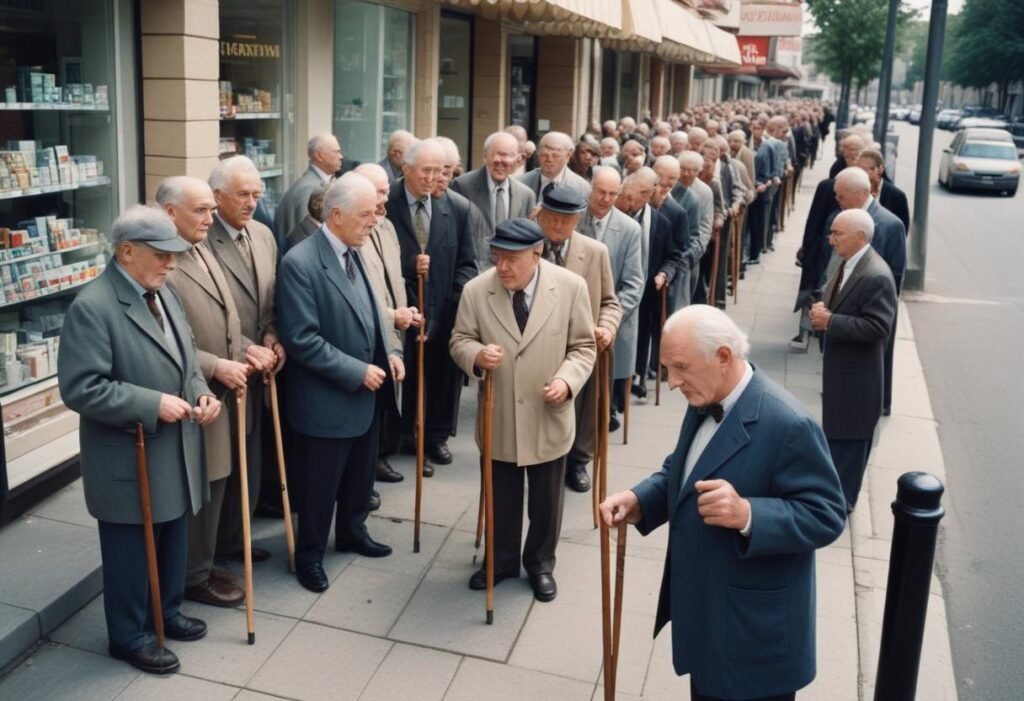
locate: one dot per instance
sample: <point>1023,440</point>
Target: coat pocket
<point>757,627</point>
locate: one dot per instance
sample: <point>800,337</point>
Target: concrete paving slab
<point>480,679</point>
<point>364,600</point>
<point>174,688</point>
<point>410,672</point>
<point>399,535</point>
<point>248,695</point>
<point>55,671</point>
<point>19,630</point>
<point>66,506</point>
<point>542,645</point>
<point>86,630</point>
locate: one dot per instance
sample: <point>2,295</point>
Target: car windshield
<point>998,151</point>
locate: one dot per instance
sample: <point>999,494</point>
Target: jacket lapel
<point>227,252</point>
<point>192,269</point>
<point>398,212</point>
<point>855,277</point>
<point>501,305</point>
<point>136,310</point>
<point>332,270</point>
<point>438,223</point>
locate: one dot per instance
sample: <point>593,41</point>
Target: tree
<point>987,46</point>
<point>916,50</point>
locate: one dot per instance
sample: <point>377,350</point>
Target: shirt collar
<point>868,202</point>
<point>530,288</point>
<point>852,261</point>
<point>337,245</point>
<point>232,231</point>
<point>324,177</point>
<point>492,184</point>
<point>132,281</point>
<point>730,401</point>
<point>412,200</point>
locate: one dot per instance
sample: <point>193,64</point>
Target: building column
<point>557,75</point>
<point>180,70</point>
<point>428,67</point>
<point>490,84</point>
<point>657,104</point>
<point>314,76</point>
<point>683,82</point>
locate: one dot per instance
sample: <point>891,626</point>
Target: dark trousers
<point>724,240</point>
<point>336,471</point>
<point>202,535</point>
<point>758,211</point>
<point>229,532</point>
<point>697,696</point>
<point>773,214</point>
<point>648,331</point>
<point>890,347</point>
<point>544,508</point>
<point>585,406</point>
<point>126,600</point>
<point>851,459</point>
<point>441,392</point>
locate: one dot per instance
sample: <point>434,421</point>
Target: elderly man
<point>775,136</point>
<point>435,238</point>
<point>313,220</point>
<point>634,157</point>
<point>494,192</point>
<point>337,336</point>
<point>697,137</point>
<point>325,160</point>
<point>127,360</point>
<point>702,216</point>
<point>679,142</point>
<point>392,162</point>
<point>764,180</point>
<point>849,151</point>
<point>476,224</point>
<point>882,189</point>
<point>857,315</point>
<point>558,216</point>
<point>660,146</point>
<point>529,323</point>
<point>555,150</point>
<point>749,494</point>
<point>247,253</point>
<point>210,311</point>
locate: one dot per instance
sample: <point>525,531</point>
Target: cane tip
<point>252,638</point>
<point>416,547</point>
<point>490,616</point>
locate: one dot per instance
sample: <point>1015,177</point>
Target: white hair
<point>318,143</point>
<point>610,141</point>
<point>489,141</point>
<point>372,172</point>
<point>668,161</point>
<point>172,189</point>
<point>151,222</point>
<point>399,135</point>
<point>691,159</point>
<point>643,176</point>
<point>662,141</point>
<point>712,329</point>
<point>225,172</point>
<point>450,148</point>
<point>860,220</point>
<point>343,193</point>
<point>698,133</point>
<point>557,139</point>
<point>679,137</point>
<point>599,171</point>
<point>412,153</point>
<point>738,134</point>
<point>853,178</point>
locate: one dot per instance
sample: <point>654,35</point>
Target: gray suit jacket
<point>532,180</point>
<point>621,235</point>
<point>393,173</point>
<point>114,365</point>
<point>294,205</point>
<point>474,187</point>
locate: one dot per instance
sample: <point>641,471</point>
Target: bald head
<point>605,185</point>
<point>189,203</point>
<point>852,188</point>
<point>397,143</point>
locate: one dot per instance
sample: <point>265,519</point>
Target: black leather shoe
<point>887,411</point>
<point>438,453</point>
<point>367,548</point>
<point>478,582</point>
<point>639,390</point>
<point>613,423</point>
<point>428,469</point>
<point>652,374</point>
<point>544,587</point>
<point>312,577</point>
<point>181,627</point>
<point>576,477</point>
<point>268,511</point>
<point>149,658</point>
<point>374,501</point>
<point>386,473</point>
<point>258,555</point>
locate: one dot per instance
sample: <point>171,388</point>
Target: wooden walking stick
<point>146,503</point>
<point>611,615</point>
<point>286,504</point>
<point>713,284</point>
<point>664,312</point>
<point>421,339</point>
<point>479,514</point>
<point>243,475</point>
<point>605,410</point>
<point>625,413</point>
<point>620,575</point>
<point>488,450</point>
<point>595,378</point>
<point>601,418</point>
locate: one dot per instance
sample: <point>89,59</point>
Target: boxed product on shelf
<point>27,165</point>
<point>260,152</point>
<point>252,100</point>
<point>228,145</point>
<point>224,94</point>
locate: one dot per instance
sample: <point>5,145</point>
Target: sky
<point>925,6</point>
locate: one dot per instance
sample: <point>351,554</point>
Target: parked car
<point>981,158</point>
<point>901,113</point>
<point>983,122</point>
<point>1016,128</point>
<point>915,115</point>
<point>864,115</point>
<point>947,119</point>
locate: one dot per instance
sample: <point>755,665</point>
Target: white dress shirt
<point>850,264</point>
<point>530,288</point>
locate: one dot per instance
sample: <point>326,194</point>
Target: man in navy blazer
<point>749,494</point>
<point>333,329</point>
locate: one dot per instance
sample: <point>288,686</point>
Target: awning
<point>724,45</point>
<point>566,17</point>
<point>641,30</point>
<point>684,33</point>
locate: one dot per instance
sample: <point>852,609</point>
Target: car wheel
<point>1012,193</point>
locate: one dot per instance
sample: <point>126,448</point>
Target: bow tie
<point>715,411</point>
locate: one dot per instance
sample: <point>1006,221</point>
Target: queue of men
<point>528,277</point>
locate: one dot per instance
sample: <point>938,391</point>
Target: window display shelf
<point>22,259</point>
<point>48,189</point>
<point>250,115</point>
<point>49,292</point>
<point>51,107</point>
<point>266,173</point>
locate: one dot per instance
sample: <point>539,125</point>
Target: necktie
<point>835,290</point>
<point>420,224</point>
<point>520,309</point>
<point>715,411</point>
<point>554,254</point>
<point>244,250</point>
<point>500,208</point>
<point>350,266</point>
<point>154,309</point>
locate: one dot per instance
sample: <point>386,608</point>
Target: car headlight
<point>1013,170</point>
<point>960,165</point>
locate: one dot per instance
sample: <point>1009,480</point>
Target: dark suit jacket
<point>679,226</point>
<point>862,319</point>
<point>742,609</point>
<point>890,240</point>
<point>294,204</point>
<point>662,254</point>
<point>474,187</point>
<point>330,339</point>
<point>895,200</point>
<point>815,249</point>
<point>452,256</point>
<point>306,227</point>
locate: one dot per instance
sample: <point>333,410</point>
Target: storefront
<point>455,81</point>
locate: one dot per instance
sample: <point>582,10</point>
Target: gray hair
<point>610,141</point>
<point>662,141</point>
<point>372,171</point>
<point>712,329</point>
<point>854,178</point>
<point>172,189</point>
<point>643,176</point>
<point>400,135</point>
<point>860,220</point>
<point>667,161</point>
<point>678,137</point>
<point>344,192</point>
<point>412,153</point>
<point>557,139</point>
<point>691,159</point>
<point>450,148</point>
<point>489,141</point>
<point>138,219</point>
<point>317,144</point>
<point>697,132</point>
<point>225,172</point>
<point>738,134</point>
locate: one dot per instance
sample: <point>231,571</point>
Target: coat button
<point>520,401</point>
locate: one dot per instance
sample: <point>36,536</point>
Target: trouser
<point>890,346</point>
<point>127,604</point>
<point>619,390</point>
<point>758,223</point>
<point>724,238</point>
<point>775,195</point>
<point>336,471</point>
<point>585,406</point>
<point>202,535</point>
<point>697,696</point>
<point>648,331</point>
<point>441,391</point>
<point>229,531</point>
<point>851,460</point>
<point>544,508</point>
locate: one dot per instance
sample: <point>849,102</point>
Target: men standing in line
<point>127,358</point>
<point>690,165</point>
<point>749,494</point>
<point>621,234</point>
<point>309,224</point>
<point>325,159</point>
<point>392,162</point>
<point>667,170</point>
<point>436,242</point>
<point>764,179</point>
<point>555,150</point>
<point>530,324</point>
<point>882,189</point>
<point>247,254</point>
<point>335,332</point>
<point>857,316</point>
<point>558,216</point>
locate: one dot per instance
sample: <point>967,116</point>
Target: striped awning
<point>724,45</point>
<point>684,34</point>
<point>568,17</point>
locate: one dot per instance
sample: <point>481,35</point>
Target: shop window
<point>454,100</point>
<point>522,81</point>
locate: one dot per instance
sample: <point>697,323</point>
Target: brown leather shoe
<point>216,593</point>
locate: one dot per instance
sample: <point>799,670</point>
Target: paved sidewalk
<point>407,627</point>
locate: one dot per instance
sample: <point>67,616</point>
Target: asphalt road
<point>970,332</point>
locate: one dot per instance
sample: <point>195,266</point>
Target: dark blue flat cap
<point>517,235</point>
<point>562,199</point>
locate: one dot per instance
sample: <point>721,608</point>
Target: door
<point>455,83</point>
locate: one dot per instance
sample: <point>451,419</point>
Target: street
<point>969,325</point>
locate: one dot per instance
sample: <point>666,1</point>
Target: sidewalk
<point>407,627</point>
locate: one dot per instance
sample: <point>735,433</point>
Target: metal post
<point>917,511</point>
<point>885,80</point>
<point>914,278</point>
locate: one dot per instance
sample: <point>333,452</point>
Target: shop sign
<point>789,51</point>
<point>243,49</point>
<point>761,20</point>
<point>753,50</point>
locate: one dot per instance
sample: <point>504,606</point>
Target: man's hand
<point>820,316</point>
<point>406,317</point>
<point>173,409</point>
<point>206,410</point>
<point>397,368</point>
<point>720,505</point>
<point>556,392</point>
<point>603,337</point>
<point>230,374</point>
<point>261,358</point>
<point>271,342</point>
<point>489,357</point>
<point>374,378</point>
<point>619,507</point>
<point>762,187</point>
<point>660,280</point>
<point>422,264</point>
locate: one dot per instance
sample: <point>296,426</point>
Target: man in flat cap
<point>528,322</point>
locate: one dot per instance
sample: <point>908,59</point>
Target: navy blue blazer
<point>330,338</point>
<point>743,608</point>
<point>890,240</point>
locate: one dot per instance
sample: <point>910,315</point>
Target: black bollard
<point>917,511</point>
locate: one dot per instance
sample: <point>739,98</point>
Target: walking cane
<point>489,492</point>
<point>286,504</point>
<point>146,503</point>
<point>243,475</point>
<point>713,285</point>
<point>605,410</point>
<point>601,418</point>
<point>479,515</point>
<point>611,615</point>
<point>737,252</point>
<point>625,414</point>
<point>664,311</point>
<point>421,339</point>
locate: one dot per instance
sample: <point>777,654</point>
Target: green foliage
<point>986,45</point>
